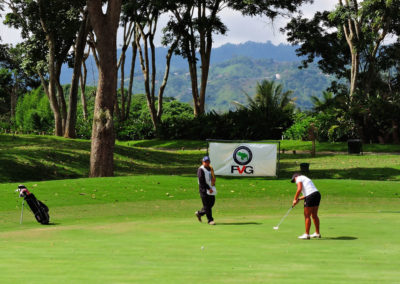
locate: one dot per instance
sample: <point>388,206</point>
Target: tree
<point>269,96</point>
<point>79,50</point>
<point>5,78</point>
<point>129,38</point>
<point>197,21</point>
<point>271,108</point>
<point>83,79</point>
<point>105,26</point>
<point>49,28</point>
<point>328,100</point>
<point>19,80</point>
<point>145,14</point>
<point>347,42</point>
<point>365,25</point>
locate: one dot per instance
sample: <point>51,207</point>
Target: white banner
<point>243,159</point>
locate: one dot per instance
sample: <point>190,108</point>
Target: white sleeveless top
<point>308,186</point>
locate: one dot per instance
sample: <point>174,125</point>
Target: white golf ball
<point>202,247</point>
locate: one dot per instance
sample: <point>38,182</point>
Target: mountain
<point>232,79</point>
<point>235,70</point>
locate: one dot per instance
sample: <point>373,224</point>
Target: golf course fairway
<point>142,229</point>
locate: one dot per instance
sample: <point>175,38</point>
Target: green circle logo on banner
<point>242,155</point>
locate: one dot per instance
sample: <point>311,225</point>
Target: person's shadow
<point>341,238</point>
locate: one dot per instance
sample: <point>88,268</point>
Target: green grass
<point>139,227</point>
<point>26,158</point>
<point>288,145</point>
<point>167,144</point>
<point>128,230</point>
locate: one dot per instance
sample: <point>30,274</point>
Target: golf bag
<point>39,209</point>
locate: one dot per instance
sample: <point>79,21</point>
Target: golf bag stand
<point>39,209</point>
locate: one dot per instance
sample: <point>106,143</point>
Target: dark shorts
<point>312,200</point>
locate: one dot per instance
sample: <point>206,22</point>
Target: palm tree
<point>269,112</point>
<point>327,102</point>
<point>269,97</point>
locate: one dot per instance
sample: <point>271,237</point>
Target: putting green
<point>142,230</point>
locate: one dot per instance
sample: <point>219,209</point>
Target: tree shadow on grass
<point>239,223</point>
<point>144,161</point>
<point>34,159</point>
<point>341,238</point>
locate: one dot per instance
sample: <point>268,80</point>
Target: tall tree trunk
<point>51,88</point>
<point>128,32</point>
<point>190,50</point>
<point>193,75</point>
<point>131,77</point>
<point>70,131</point>
<point>61,97</point>
<point>205,30</point>
<point>205,67</point>
<point>116,106</point>
<point>165,79</point>
<point>122,87</point>
<point>148,83</point>
<point>14,98</point>
<point>352,35</point>
<point>50,92</point>
<point>83,78</point>
<point>103,137</point>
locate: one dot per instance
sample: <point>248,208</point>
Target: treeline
<point>268,114</point>
<point>348,44</point>
<point>51,29</point>
<point>358,43</point>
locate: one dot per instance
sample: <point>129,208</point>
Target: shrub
<point>299,130</point>
<point>33,113</point>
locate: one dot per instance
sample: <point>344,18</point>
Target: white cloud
<point>240,28</point>
<point>8,35</point>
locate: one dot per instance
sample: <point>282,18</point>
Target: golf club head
<point>276,228</point>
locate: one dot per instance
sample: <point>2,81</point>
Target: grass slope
<point>141,229</point>
<point>30,158</point>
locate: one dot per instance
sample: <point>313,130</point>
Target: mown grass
<point>27,158</point>
<point>141,229</point>
<point>287,145</point>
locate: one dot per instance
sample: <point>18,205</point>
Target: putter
<point>22,212</point>
<point>283,218</point>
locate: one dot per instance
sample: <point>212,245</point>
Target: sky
<point>240,29</point>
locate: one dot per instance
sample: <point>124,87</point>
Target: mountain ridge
<point>235,70</point>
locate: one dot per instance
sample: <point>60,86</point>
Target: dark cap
<point>295,175</point>
<point>206,159</point>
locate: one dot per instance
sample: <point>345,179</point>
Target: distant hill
<point>235,70</point>
<point>230,80</point>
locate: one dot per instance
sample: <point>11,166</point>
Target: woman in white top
<point>312,198</point>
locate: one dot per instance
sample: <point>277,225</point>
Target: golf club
<point>283,218</point>
<point>22,211</point>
